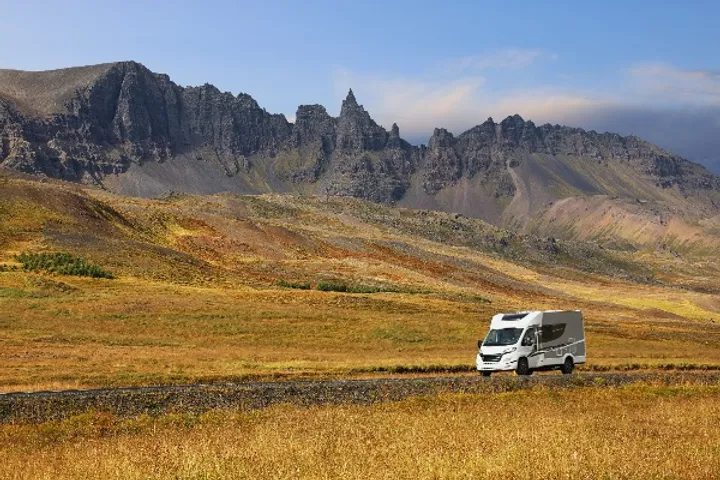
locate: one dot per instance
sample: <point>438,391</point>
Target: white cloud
<point>455,95</point>
<point>416,105</point>
<point>672,85</point>
<point>546,105</point>
<point>450,95</point>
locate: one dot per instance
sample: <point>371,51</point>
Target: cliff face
<point>115,121</point>
<point>127,114</point>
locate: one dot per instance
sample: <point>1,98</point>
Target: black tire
<point>486,374</point>
<point>523,367</point>
<point>568,366</point>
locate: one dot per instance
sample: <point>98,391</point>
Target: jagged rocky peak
<point>245,100</point>
<point>443,166</point>
<point>511,129</point>
<point>516,120</point>
<point>394,140</point>
<point>487,131</point>
<point>356,130</point>
<point>350,102</point>
<point>441,137</point>
<point>511,132</point>
<point>310,112</point>
<point>313,124</point>
<point>395,131</point>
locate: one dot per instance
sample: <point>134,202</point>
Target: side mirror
<point>480,342</point>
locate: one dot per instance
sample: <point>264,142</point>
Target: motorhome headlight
<point>509,350</point>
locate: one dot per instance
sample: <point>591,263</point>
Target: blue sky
<point>647,68</point>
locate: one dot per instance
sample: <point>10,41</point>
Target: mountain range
<point>135,132</point>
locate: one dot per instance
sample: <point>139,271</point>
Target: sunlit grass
<point>678,302</point>
<point>632,432</point>
<point>130,332</point>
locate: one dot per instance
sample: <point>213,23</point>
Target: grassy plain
<point>197,293</point>
<point>640,431</point>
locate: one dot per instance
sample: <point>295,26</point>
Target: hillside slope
<point>183,238</point>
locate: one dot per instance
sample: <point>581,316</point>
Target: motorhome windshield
<point>502,337</point>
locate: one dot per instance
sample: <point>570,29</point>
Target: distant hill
<point>135,132</point>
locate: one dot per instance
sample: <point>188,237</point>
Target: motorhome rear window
<point>514,316</point>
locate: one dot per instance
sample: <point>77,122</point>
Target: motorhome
<point>534,340</point>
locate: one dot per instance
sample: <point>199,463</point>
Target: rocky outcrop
<point>349,155</point>
<point>442,166</point>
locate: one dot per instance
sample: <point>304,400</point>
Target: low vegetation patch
<point>353,288</point>
<point>61,264</point>
<point>332,286</point>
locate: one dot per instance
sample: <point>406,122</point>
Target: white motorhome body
<point>533,340</point>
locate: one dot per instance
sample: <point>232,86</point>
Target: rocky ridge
<point>92,123</point>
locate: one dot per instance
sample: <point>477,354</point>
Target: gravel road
<point>133,401</point>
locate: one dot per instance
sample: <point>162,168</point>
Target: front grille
<point>491,358</point>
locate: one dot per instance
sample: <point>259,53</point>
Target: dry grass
<point>130,333</point>
<point>634,432</point>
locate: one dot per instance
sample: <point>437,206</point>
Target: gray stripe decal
<point>557,347</point>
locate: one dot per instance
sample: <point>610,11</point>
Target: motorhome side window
<point>548,333</point>
<point>529,338</point>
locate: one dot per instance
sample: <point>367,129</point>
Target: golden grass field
<point>196,296</point>
<point>639,431</point>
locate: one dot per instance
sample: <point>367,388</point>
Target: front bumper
<point>501,366</point>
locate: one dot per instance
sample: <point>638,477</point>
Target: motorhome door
<point>529,347</point>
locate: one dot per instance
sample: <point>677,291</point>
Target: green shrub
<point>478,298</point>
<point>367,289</point>
<point>61,264</point>
<point>352,288</point>
<point>331,287</point>
<point>297,285</point>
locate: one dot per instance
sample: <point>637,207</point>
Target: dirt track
<point>128,402</point>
